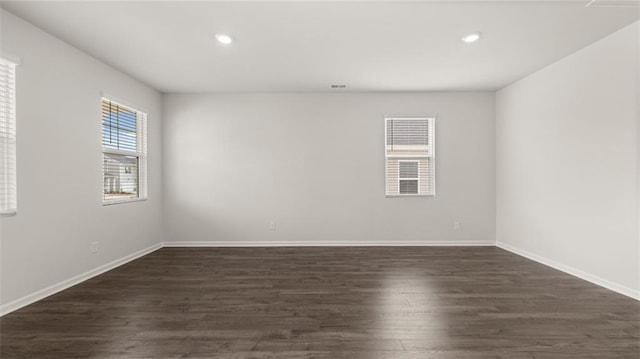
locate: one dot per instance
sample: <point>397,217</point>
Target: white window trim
<point>140,154</point>
<point>431,155</point>
<point>123,200</point>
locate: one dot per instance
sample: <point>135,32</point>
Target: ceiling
<point>307,46</point>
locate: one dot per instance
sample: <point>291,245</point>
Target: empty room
<point>320,179</point>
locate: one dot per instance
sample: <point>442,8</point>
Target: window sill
<point>8,214</point>
<point>408,195</point>
<point>120,201</point>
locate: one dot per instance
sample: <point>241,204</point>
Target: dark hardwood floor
<point>330,302</point>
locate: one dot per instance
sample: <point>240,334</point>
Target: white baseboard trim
<point>53,289</point>
<point>326,244</point>
<point>629,292</point>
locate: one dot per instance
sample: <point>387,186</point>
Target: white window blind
<point>124,147</point>
<point>410,157</point>
<point>8,190</point>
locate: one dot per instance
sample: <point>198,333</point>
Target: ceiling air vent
<point>614,3</point>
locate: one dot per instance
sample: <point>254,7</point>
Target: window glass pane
<point>119,127</point>
<point>120,176</point>
<point>408,169</point>
<point>408,186</point>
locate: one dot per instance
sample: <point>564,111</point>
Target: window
<point>409,157</point>
<point>8,190</point>
<point>124,153</point>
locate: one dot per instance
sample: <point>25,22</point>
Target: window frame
<point>12,142</point>
<point>140,153</point>
<point>430,156</point>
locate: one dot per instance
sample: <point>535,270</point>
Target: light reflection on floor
<point>406,319</point>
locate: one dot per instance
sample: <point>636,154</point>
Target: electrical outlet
<point>456,224</point>
<point>94,247</point>
<point>272,225</point>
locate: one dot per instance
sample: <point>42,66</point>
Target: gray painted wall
<point>567,162</point>
<point>314,164</point>
<point>59,154</point>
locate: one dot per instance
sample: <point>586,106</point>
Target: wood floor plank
<point>328,302</point>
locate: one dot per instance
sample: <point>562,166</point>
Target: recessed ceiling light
<point>224,39</point>
<point>473,37</point>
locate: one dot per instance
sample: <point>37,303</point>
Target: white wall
<point>60,166</point>
<point>567,163</point>
<point>314,163</point>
